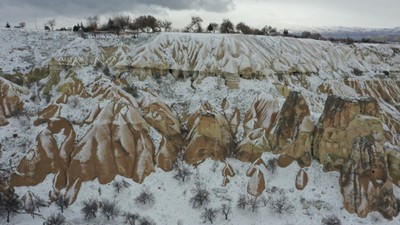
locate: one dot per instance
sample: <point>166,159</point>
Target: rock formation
<point>210,135</point>
<point>130,131</point>
<point>10,102</point>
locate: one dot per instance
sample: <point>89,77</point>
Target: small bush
<point>131,218</point>
<point>145,197</point>
<point>201,196</point>
<point>331,220</point>
<point>54,219</point>
<point>271,165</point>
<point>209,214</point>
<point>254,203</point>
<point>281,204</point>
<point>89,209</point>
<point>398,204</point>
<point>146,221</point>
<point>226,210</point>
<point>106,71</point>
<point>61,202</point>
<point>182,173</point>
<point>241,202</point>
<point>109,209</point>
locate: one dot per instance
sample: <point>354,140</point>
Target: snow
<point>329,62</point>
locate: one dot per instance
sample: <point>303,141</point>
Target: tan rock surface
<point>10,102</point>
<point>209,135</point>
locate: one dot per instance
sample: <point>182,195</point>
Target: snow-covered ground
<point>320,198</point>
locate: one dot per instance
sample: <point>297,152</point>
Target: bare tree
<point>9,203</point>
<point>89,209</point>
<point>226,210</point>
<point>122,21</point>
<point>254,203</point>
<point>267,30</point>
<point>131,218</point>
<point>331,220</point>
<point>61,202</point>
<point>92,22</point>
<point>195,25</point>
<point>281,204</point>
<point>242,27</point>
<point>264,200</point>
<point>271,164</point>
<point>146,221</point>
<point>55,219</point>
<point>118,185</point>
<point>145,197</point>
<point>51,23</point>
<point>201,196</point>
<point>166,25</point>
<point>212,27</point>
<point>109,209</point>
<point>226,26</point>
<point>182,172</point>
<point>209,214</point>
<point>242,202</point>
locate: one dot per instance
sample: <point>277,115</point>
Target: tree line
<point>149,23</point>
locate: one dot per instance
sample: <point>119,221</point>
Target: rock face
<point>333,136</point>
<point>350,138</point>
<point>10,102</point>
<point>287,130</point>
<point>365,182</point>
<point>210,135</point>
<point>51,155</point>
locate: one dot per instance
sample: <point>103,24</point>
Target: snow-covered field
<point>22,50</point>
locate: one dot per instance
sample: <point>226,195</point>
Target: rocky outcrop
<point>72,87</point>
<point>118,143</point>
<point>350,138</point>
<point>258,124</point>
<point>287,130</point>
<point>333,136</point>
<point>301,179</point>
<point>210,135</point>
<point>365,182</point>
<point>51,155</point>
<point>10,101</point>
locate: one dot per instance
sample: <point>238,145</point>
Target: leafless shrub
<point>182,172</point>
<point>131,218</point>
<point>89,209</point>
<point>271,164</point>
<point>201,196</point>
<point>118,185</point>
<point>9,203</point>
<point>55,219</point>
<point>146,221</point>
<point>331,220</point>
<point>145,197</point>
<point>226,210</point>
<point>241,202</point>
<point>281,204</point>
<point>264,200</point>
<point>61,202</point>
<point>209,214</point>
<point>254,203</point>
<point>109,209</point>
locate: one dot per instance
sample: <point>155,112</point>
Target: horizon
<point>288,14</point>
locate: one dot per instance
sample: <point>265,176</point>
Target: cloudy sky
<point>256,13</point>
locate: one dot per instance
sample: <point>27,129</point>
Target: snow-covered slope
<point>142,109</point>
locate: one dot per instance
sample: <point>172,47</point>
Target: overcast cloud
<point>360,13</point>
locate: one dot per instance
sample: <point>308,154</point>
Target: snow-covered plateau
<point>212,128</point>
